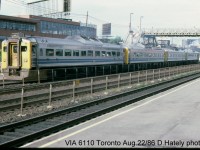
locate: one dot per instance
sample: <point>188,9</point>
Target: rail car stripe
<point>114,116</point>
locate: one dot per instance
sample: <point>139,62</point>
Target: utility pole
<point>130,31</point>
<point>87,19</point>
<point>141,24</point>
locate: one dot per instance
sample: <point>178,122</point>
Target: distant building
<point>190,41</point>
<point>184,43</point>
<point>43,26</point>
<point>106,29</point>
<point>48,7</point>
<point>191,44</point>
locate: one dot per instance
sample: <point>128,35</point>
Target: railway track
<point>32,100</point>
<point>21,132</point>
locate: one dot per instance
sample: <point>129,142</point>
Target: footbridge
<point>172,32</point>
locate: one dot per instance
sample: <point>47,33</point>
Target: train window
<point>14,49</point>
<point>59,52</point>
<point>114,54</point>
<point>33,50</point>
<point>83,53</point>
<point>118,54</point>
<point>68,52</point>
<point>108,54</point>
<point>76,53</point>
<point>5,48</point>
<point>134,54</point>
<point>103,54</point>
<point>49,52</point>
<point>41,52</point>
<point>97,53</point>
<point>90,53</point>
<point>23,48</point>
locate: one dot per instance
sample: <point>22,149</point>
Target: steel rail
<point>42,95</point>
<point>52,122</point>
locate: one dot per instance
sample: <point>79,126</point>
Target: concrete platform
<point>169,119</point>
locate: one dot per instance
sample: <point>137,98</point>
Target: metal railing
<point>67,93</point>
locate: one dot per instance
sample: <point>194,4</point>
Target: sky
<point>156,13</point>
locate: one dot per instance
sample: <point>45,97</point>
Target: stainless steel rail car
<point>22,54</point>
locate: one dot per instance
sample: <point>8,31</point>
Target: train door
<point>186,56</point>
<point>13,57</point>
<point>166,56</point>
<point>126,56</point>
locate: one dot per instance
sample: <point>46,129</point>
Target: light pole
<point>130,31</point>
<point>141,23</point>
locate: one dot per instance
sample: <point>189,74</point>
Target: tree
<point>116,40</point>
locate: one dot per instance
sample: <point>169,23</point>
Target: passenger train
<point>22,54</point>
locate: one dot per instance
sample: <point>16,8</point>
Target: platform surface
<point>168,119</point>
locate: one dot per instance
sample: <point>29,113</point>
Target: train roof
<point>75,40</point>
<point>72,40</point>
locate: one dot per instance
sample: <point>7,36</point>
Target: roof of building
<point>20,19</point>
<point>40,18</point>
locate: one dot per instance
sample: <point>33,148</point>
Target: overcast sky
<point>157,13</point>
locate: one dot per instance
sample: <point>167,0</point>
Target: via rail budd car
<point>22,54</point>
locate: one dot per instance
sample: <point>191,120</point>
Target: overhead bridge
<point>193,32</point>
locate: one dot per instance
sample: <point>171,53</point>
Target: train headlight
<point>25,60</point>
